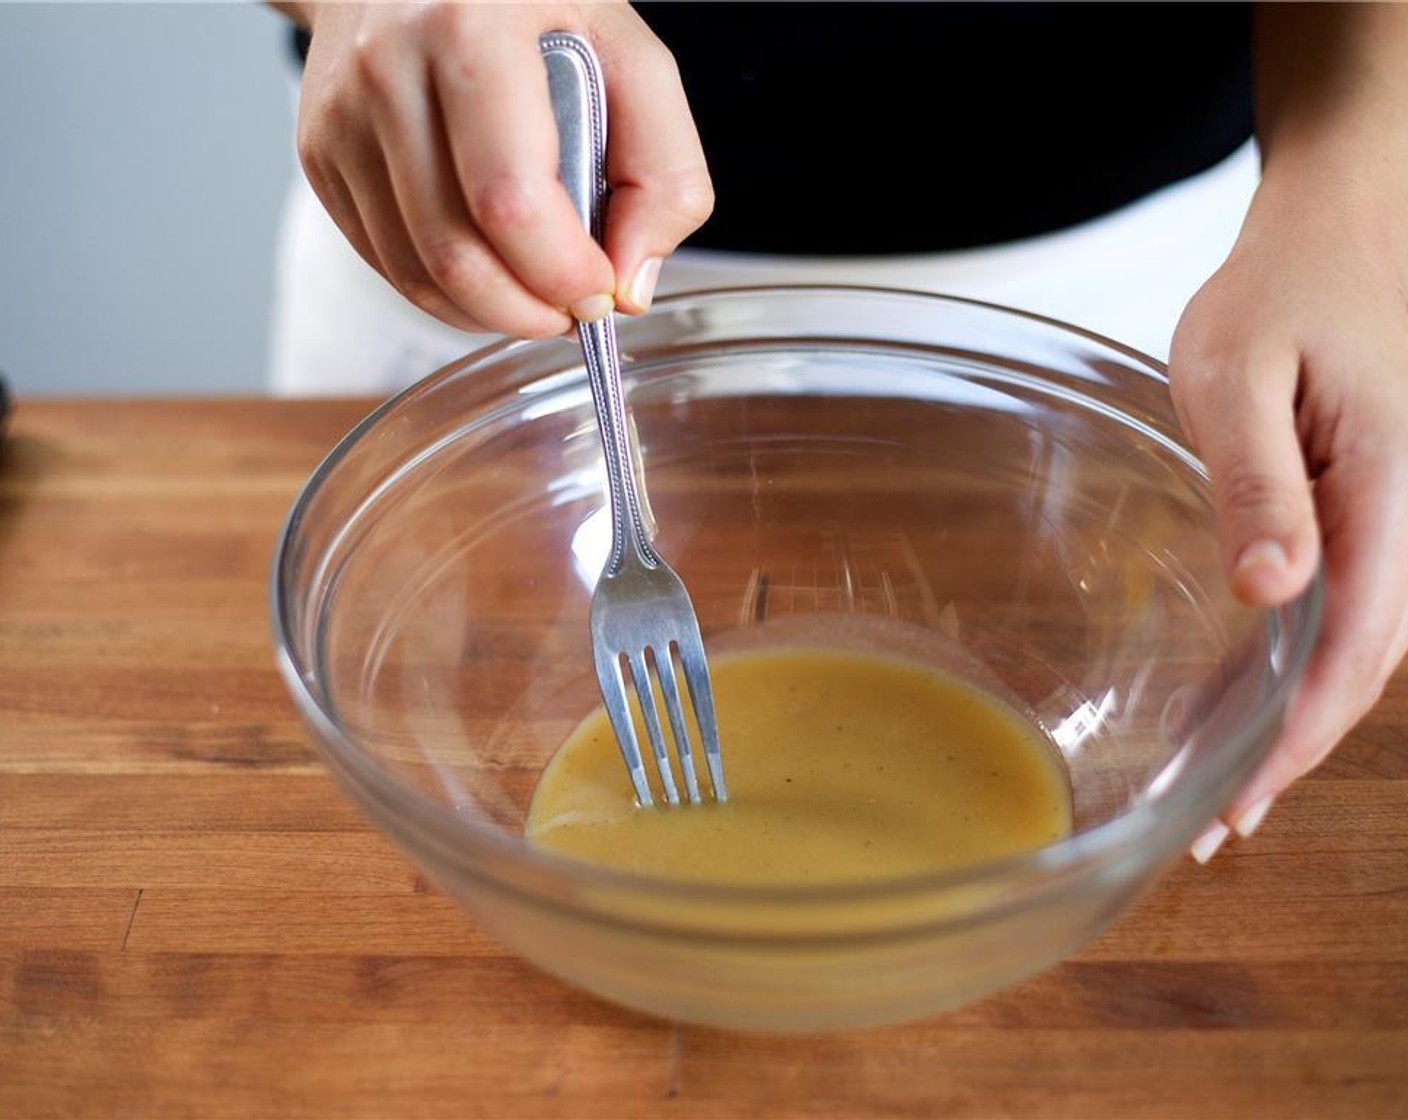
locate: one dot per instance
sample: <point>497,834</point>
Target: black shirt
<point>870,128</point>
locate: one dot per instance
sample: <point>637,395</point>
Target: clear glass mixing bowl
<point>999,495</point>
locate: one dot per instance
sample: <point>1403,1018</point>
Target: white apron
<point>339,329</point>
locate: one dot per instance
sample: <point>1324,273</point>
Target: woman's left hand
<point>1289,370</point>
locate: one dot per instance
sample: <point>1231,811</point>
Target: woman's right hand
<point>427,132</point>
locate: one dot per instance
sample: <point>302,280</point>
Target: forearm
<point>1332,104</point>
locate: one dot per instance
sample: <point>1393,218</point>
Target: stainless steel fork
<point>640,610</point>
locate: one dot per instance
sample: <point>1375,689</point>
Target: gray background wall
<point>144,153</point>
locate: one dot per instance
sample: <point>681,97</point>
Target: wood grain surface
<point>193,923</point>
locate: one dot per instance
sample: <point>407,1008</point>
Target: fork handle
<point>578,96</point>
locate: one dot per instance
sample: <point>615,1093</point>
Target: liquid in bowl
<point>842,766</point>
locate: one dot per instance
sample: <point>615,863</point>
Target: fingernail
<point>592,308</point>
<point>1267,555</point>
<point>641,289</point>
<point>1247,823</point>
<point>1206,845</point>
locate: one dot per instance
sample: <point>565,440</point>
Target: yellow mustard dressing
<point>841,767</point>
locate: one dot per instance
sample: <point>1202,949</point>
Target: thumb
<point>661,191</point>
<point>1241,418</point>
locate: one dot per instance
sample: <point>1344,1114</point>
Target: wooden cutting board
<point>193,923</point>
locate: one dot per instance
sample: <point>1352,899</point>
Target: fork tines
<point>644,684</point>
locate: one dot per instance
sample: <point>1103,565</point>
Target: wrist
<point>1347,191</point>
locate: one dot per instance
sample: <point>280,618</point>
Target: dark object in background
<point>947,126</point>
<point>4,405</point>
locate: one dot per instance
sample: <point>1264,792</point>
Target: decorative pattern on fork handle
<point>640,609</point>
